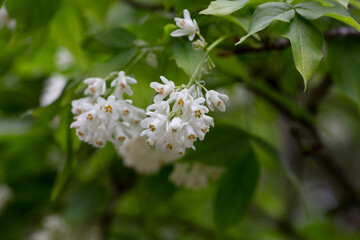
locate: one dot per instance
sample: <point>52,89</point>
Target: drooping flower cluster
<point>99,119</point>
<point>178,116</point>
<point>194,176</point>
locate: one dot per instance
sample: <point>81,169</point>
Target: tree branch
<point>306,134</point>
<point>282,43</point>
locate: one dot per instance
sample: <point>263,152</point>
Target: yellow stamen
<point>152,128</point>
<point>160,91</point>
<point>108,109</point>
<point>126,112</point>
<point>191,137</point>
<point>198,113</point>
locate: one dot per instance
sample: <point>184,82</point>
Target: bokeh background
<point>308,189</point>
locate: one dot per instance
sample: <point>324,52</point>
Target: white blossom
<point>63,58</point>
<point>213,98</point>
<point>121,84</point>
<point>96,86</point>
<point>173,125</point>
<point>163,90</point>
<point>53,89</point>
<point>99,120</point>
<point>187,26</point>
<point>194,176</point>
<point>5,20</point>
<point>5,196</point>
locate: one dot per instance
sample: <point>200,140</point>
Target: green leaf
<point>344,61</point>
<point>116,63</point>
<point>1,2</point>
<point>186,58</point>
<point>345,3</point>
<point>66,29</point>
<point>31,15</point>
<point>65,172</point>
<point>222,146</point>
<point>266,13</point>
<point>314,10</point>
<point>116,38</point>
<point>235,192</point>
<point>356,3</point>
<point>222,8</point>
<point>306,44</point>
<point>230,147</point>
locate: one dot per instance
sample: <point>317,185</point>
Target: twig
<point>306,134</point>
<point>282,43</point>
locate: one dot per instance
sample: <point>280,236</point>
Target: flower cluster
<point>100,119</point>
<point>194,176</point>
<point>190,28</point>
<point>178,116</point>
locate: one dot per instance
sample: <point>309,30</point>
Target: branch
<point>305,133</point>
<point>282,43</point>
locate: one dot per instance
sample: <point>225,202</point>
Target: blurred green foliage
<point>270,126</point>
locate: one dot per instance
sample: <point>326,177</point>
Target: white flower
<point>63,58</point>
<point>137,155</point>
<point>82,105</point>
<point>195,176</point>
<point>5,20</point>
<point>53,89</point>
<point>121,84</point>
<point>163,90</point>
<point>213,98</point>
<point>97,86</point>
<point>5,196</point>
<point>100,120</point>
<point>109,108</point>
<point>187,26</point>
<point>173,125</point>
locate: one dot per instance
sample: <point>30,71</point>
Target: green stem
<point>208,50</point>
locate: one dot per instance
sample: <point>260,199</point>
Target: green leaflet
<point>344,62</point>
<point>222,8</point>
<point>266,13</point>
<point>186,58</point>
<point>31,15</point>
<point>345,3</point>
<point>115,38</point>
<point>230,147</point>
<point>226,144</point>
<point>314,10</point>
<point>235,192</point>
<point>66,29</point>
<point>306,44</point>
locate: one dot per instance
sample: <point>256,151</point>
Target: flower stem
<point>208,50</point>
